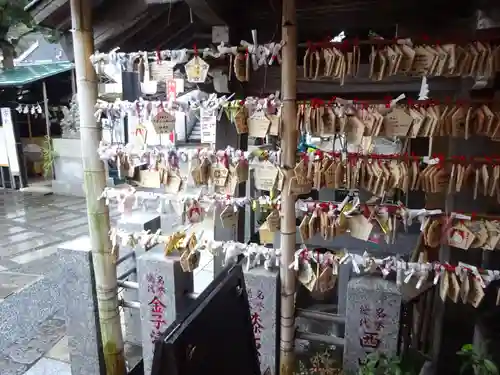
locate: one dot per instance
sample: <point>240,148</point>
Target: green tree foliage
<point>16,25</point>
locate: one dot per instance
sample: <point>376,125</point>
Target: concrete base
<point>68,168</point>
<point>68,188</point>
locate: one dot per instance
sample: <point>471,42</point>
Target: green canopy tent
<point>19,76</point>
<point>26,74</point>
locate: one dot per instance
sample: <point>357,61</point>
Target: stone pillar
<point>250,227</point>
<point>372,320</point>
<point>136,222</point>
<point>263,294</point>
<point>163,288</point>
<point>227,135</point>
<point>222,234</point>
<point>80,308</point>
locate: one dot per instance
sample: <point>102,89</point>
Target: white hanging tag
<point>437,275</point>
<point>408,277</point>
<point>355,266</point>
<point>460,216</point>
<point>421,280</point>
<point>430,161</point>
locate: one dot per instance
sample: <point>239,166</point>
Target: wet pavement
<point>33,226</point>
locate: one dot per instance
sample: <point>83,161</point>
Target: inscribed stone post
<point>80,308</point>
<point>263,295</point>
<point>162,295</point>
<point>136,222</point>
<point>372,320</point>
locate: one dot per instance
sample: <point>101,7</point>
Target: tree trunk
<point>288,225</point>
<point>8,54</point>
<point>94,183</point>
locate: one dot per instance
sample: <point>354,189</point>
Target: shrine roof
<point>157,24</point>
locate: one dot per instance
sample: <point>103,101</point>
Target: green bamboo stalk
<point>289,149</point>
<point>94,178</point>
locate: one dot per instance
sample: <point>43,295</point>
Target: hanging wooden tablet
<point>173,184</point>
<point>360,227</point>
<point>163,122</point>
<point>240,120</point>
<point>265,235</point>
<point>280,180</point>
<point>219,175</point>
<point>326,280</point>
<point>196,70</point>
<point>307,277</point>
<point>397,123</point>
<point>444,285</point>
<point>464,287</point>
<point>265,176</point>
<point>196,173</point>
<point>273,221</point>
<point>304,229</point>
<point>240,67</point>
<point>229,217</point>
<point>299,189</point>
<point>274,129</point>
<point>149,179</point>
<point>189,260</point>
<point>258,125</point>
<point>313,224</point>
<point>241,171</point>
<point>453,286</point>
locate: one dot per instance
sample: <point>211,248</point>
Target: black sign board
<point>215,336</point>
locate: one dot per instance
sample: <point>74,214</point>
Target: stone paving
<point>33,226</point>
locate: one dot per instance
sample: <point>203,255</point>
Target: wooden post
<point>47,123</point>
<point>289,149</point>
<point>94,178</point>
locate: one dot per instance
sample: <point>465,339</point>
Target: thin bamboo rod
<point>325,339</point>
<point>319,315</point>
<point>128,284</point>
<point>130,304</point>
<point>405,157</point>
<point>389,41</point>
<point>406,101</point>
<point>289,149</point>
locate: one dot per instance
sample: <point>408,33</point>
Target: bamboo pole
<point>289,149</point>
<point>94,183</point>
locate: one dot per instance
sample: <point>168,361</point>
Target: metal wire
<point>128,284</point>
<point>331,340</point>
<point>129,304</point>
